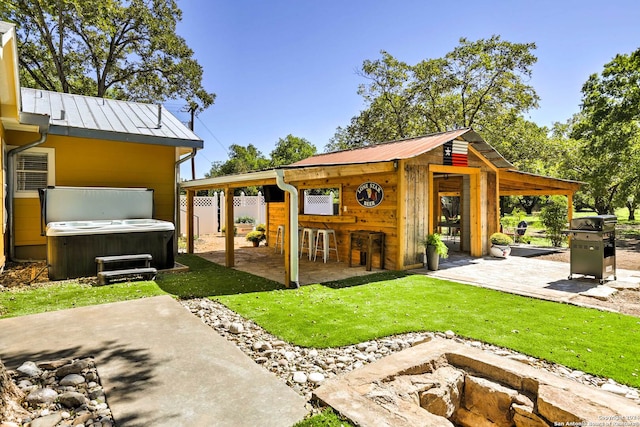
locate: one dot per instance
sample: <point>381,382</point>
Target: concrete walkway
<point>159,364</point>
<point>548,280</point>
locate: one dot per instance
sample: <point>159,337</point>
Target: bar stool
<point>308,237</point>
<point>324,235</point>
<point>279,239</point>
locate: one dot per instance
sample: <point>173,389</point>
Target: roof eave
<point>230,180</point>
<point>124,137</point>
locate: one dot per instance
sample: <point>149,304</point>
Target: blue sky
<point>283,67</point>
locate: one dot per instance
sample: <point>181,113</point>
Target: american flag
<point>455,153</point>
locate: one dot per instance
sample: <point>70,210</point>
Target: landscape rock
<point>72,379</point>
<point>72,399</point>
<point>29,369</point>
<point>73,368</point>
<point>42,395</point>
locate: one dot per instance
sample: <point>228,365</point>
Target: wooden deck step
<point>146,273</point>
<point>104,261</point>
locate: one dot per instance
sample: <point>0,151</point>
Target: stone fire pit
<point>442,383</point>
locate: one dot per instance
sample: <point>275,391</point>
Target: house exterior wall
<point>95,163</point>
<point>3,218</point>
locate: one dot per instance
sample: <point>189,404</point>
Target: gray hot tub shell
<point>83,223</point>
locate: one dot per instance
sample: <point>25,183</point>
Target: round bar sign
<point>369,194</point>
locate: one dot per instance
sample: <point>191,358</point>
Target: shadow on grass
<point>366,279</point>
<point>207,279</point>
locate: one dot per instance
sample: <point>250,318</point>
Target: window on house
<point>34,169</point>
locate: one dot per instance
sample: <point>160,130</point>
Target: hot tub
<point>72,246</point>
<point>83,223</point>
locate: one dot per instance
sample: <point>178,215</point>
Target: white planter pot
<point>500,251</point>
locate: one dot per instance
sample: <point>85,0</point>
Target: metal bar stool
<point>308,237</point>
<point>324,236</point>
<point>279,239</point>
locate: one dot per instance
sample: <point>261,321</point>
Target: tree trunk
<point>10,397</point>
<point>632,211</point>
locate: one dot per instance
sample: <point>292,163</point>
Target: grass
<point>378,305</point>
<point>65,295</point>
<point>626,229</point>
<point>205,279</point>
<point>327,418</point>
<point>593,341</point>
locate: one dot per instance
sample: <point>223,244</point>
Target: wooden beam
<point>483,158</point>
<point>401,209</point>
<point>475,227</point>
<point>524,192</point>
<point>189,222</point>
<point>432,193</point>
<point>294,176</point>
<point>223,185</point>
<point>570,206</point>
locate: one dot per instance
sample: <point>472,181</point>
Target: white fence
<point>208,211</point>
<point>208,215</point>
<point>318,204</point>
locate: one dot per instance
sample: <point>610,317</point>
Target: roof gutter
<point>293,225</point>
<point>42,122</point>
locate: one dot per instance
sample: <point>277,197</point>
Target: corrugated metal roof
<point>404,149</point>
<point>93,117</point>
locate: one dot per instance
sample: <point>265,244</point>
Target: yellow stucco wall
<point>2,211</point>
<point>96,163</point>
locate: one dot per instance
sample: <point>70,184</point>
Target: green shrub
<point>244,220</point>
<point>500,239</point>
<point>261,227</point>
<point>554,217</point>
<point>255,236</point>
<point>435,240</point>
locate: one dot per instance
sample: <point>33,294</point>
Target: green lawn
<point>601,343</point>
<point>364,308</point>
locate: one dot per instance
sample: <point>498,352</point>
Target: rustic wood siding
<point>417,210</point>
<point>380,218</point>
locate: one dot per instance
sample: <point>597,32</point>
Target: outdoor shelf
<point>340,219</point>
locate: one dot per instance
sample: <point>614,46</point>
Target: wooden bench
<point>106,276</point>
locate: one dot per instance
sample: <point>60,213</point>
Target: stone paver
<point>525,276</point>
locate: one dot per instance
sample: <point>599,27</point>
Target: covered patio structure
<point>389,193</point>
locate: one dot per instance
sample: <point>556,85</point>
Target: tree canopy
<point>291,149</point>
<point>606,137</point>
<point>122,49</point>
<point>480,83</point>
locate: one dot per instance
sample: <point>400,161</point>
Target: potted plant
<point>500,245</point>
<point>255,237</point>
<point>435,248</point>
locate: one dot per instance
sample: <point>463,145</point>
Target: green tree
<point>241,160</point>
<point>291,149</point>
<point>554,217</point>
<point>123,49</point>
<point>480,84</point>
<point>607,135</point>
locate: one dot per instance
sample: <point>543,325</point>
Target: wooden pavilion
<point>392,190</point>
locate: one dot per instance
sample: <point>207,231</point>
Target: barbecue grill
<point>593,246</point>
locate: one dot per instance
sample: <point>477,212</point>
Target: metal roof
<point>93,117</point>
<point>405,149</point>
